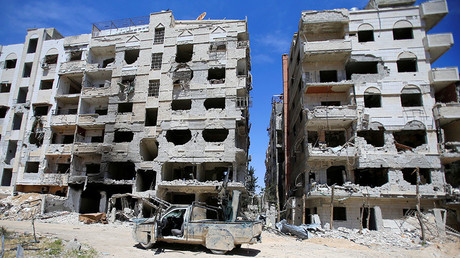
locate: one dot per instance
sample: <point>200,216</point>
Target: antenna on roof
<point>201,17</point>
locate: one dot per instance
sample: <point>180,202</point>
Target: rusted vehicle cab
<point>197,224</point>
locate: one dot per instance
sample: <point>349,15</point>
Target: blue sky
<point>271,25</point>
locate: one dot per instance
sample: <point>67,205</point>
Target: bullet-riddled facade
<point>360,114</point>
<point>149,105</point>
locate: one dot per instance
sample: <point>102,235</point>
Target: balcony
<point>55,179</point>
<point>433,12</point>
<point>344,152</point>
<point>193,186</point>
<point>441,77</point>
<point>93,119</point>
<point>63,119</point>
<point>450,152</point>
<point>332,116</point>
<point>322,51</point>
<point>59,149</point>
<point>438,44</point>
<point>446,113</point>
<point>72,67</point>
<point>88,148</point>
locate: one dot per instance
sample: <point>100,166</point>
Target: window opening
<point>159,36</point>
<point>215,135</point>
<point>46,84</point>
<point>184,53</point>
<point>125,107</point>
<point>178,137</point>
<point>32,46</point>
<point>336,175</point>
<point>123,136</point>
<point>216,75</point>
<point>156,61</point>
<point>154,88</point>
<point>27,70</point>
<point>410,175</point>
<point>328,76</point>
<point>131,56</point>
<point>181,104</point>
<point>151,115</point>
<point>218,103</point>
<point>5,87</point>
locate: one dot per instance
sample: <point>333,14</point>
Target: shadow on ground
<point>168,248</point>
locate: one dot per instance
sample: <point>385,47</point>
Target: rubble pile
<point>21,207</point>
<point>371,237</point>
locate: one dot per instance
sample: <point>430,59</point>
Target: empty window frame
<point>123,136</point>
<point>41,110</point>
<point>330,103</point>
<point>184,53</point>
<point>218,103</point>
<point>181,104</point>
<point>121,170</point>
<point>410,138</point>
<point>215,135</point>
<point>365,33</point>
<point>159,36</point>
<point>402,30</point>
<point>340,213</point>
<point>178,137</point>
<point>131,56</point>
<point>334,138</point>
<point>76,55</point>
<point>6,177</point>
<point>361,68</point>
<point>151,115</point>
<point>410,175</point>
<point>411,96</point>
<point>373,177</point>
<point>22,95</point>
<point>10,64</point>
<point>156,61</point>
<point>154,88</point>
<point>125,107</point>
<point>407,65</point>
<point>51,59</point>
<point>32,46</point>
<point>336,175</point>
<point>373,137</point>
<point>3,111</point>
<point>17,120</point>
<point>216,75</point>
<point>31,167</point>
<point>372,98</point>
<point>46,84</point>
<point>5,87</point>
<point>328,76</point>
<point>27,70</point>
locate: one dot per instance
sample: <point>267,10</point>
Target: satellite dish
<point>201,17</point>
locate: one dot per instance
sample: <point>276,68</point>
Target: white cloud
<point>275,42</point>
<point>68,18</point>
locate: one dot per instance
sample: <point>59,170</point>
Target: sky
<point>271,25</point>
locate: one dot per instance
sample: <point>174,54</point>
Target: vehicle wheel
<point>214,251</point>
<point>147,246</point>
<point>238,246</point>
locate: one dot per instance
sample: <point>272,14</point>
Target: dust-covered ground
<point>115,240</point>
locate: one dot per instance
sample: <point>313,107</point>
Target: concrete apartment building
<point>150,106</point>
<point>364,109</point>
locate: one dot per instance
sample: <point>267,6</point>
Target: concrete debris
<point>297,231</point>
<point>90,218</point>
<point>73,245</point>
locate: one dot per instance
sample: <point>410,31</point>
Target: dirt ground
<point>116,241</point>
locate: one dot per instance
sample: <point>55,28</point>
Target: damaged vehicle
<point>216,228</point>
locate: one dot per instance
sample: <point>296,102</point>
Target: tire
<point>146,246</point>
<point>238,246</point>
<point>214,251</point>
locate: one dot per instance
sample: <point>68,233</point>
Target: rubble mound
<point>21,207</point>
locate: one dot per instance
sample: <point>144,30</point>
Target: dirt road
<point>116,241</point>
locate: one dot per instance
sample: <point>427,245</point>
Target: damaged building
<point>363,111</point>
<point>147,106</point>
